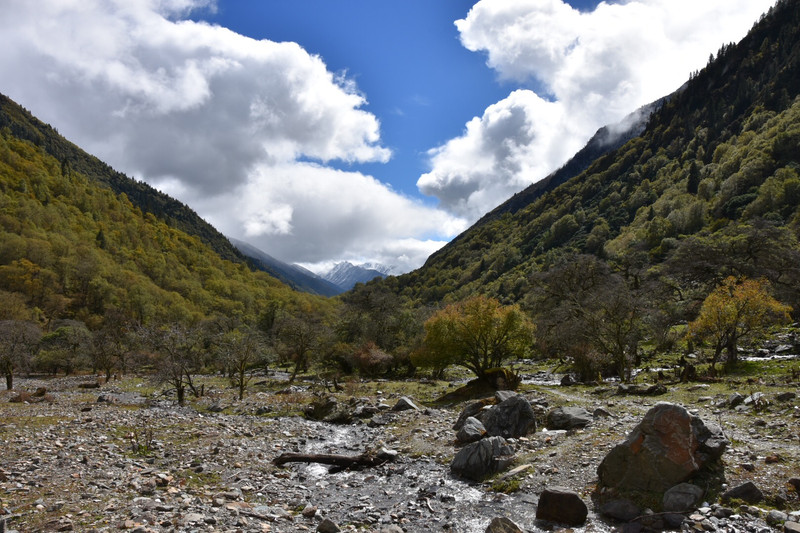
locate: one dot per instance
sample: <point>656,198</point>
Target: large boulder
<point>481,459</point>
<point>563,506</point>
<point>668,447</point>
<point>512,418</point>
<point>568,418</point>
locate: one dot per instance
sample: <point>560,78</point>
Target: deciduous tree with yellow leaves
<point>736,310</point>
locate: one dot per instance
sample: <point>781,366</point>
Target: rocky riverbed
<point>124,457</point>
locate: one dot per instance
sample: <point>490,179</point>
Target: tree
<point>736,310</point>
<point>589,313</point>
<point>18,341</point>
<point>179,349</point>
<point>112,343</point>
<point>478,334</point>
<point>300,337</point>
<point>241,349</point>
<point>66,347</point>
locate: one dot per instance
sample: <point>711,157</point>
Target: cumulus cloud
<point>311,212</point>
<point>582,70</point>
<point>224,122</point>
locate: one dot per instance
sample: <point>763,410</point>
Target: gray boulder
<point>682,497</point>
<point>568,418</point>
<point>471,431</point>
<point>481,459</point>
<point>622,510</point>
<point>511,418</point>
<point>560,505</point>
<point>668,447</point>
<point>405,404</point>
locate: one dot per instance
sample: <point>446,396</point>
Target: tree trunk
<point>181,392</point>
<point>733,355</point>
<point>9,381</point>
<point>366,459</point>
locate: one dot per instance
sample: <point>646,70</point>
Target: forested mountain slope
<point>712,186</point>
<point>73,248</point>
<point>23,125</point>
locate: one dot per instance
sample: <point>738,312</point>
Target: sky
<point>369,131</point>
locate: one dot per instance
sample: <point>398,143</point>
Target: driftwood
<point>341,462</point>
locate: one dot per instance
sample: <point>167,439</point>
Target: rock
<point>328,526</point>
<point>775,517</point>
<point>193,518</point>
<point>511,418</point>
<point>391,529</point>
<point>667,447</point>
<point>405,404</point>
<point>795,482</point>
<point>641,390</point>
<point>503,395</point>
<point>747,492</point>
<point>309,511</point>
<point>471,410</point>
<point>568,418</point>
<point>681,498</point>
<point>501,524</point>
<point>560,505</point>
<point>471,431</point>
<point>568,380</point>
<point>481,459</point>
<point>622,510</point>
<point>756,399</point>
<point>786,396</point>
<point>791,527</point>
<point>329,409</point>
<point>735,400</point>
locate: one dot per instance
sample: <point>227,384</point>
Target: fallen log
<point>366,459</point>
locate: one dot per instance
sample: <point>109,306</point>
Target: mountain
<point>605,139</point>
<point>295,276</point>
<point>74,245</point>
<point>346,275</point>
<point>23,125</point>
<point>715,167</point>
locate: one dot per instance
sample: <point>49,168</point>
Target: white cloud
<point>224,122</point>
<point>589,69</point>
<point>313,213</point>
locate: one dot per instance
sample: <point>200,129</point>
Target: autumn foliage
<point>736,310</point>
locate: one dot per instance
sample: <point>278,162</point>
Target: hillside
<point>23,125</point>
<point>715,168</point>
<point>71,247</point>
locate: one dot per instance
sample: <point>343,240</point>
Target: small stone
<point>309,511</point>
<point>501,524</point>
<point>328,526</point>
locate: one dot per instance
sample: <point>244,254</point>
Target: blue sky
<point>406,58</point>
<point>360,130</point>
